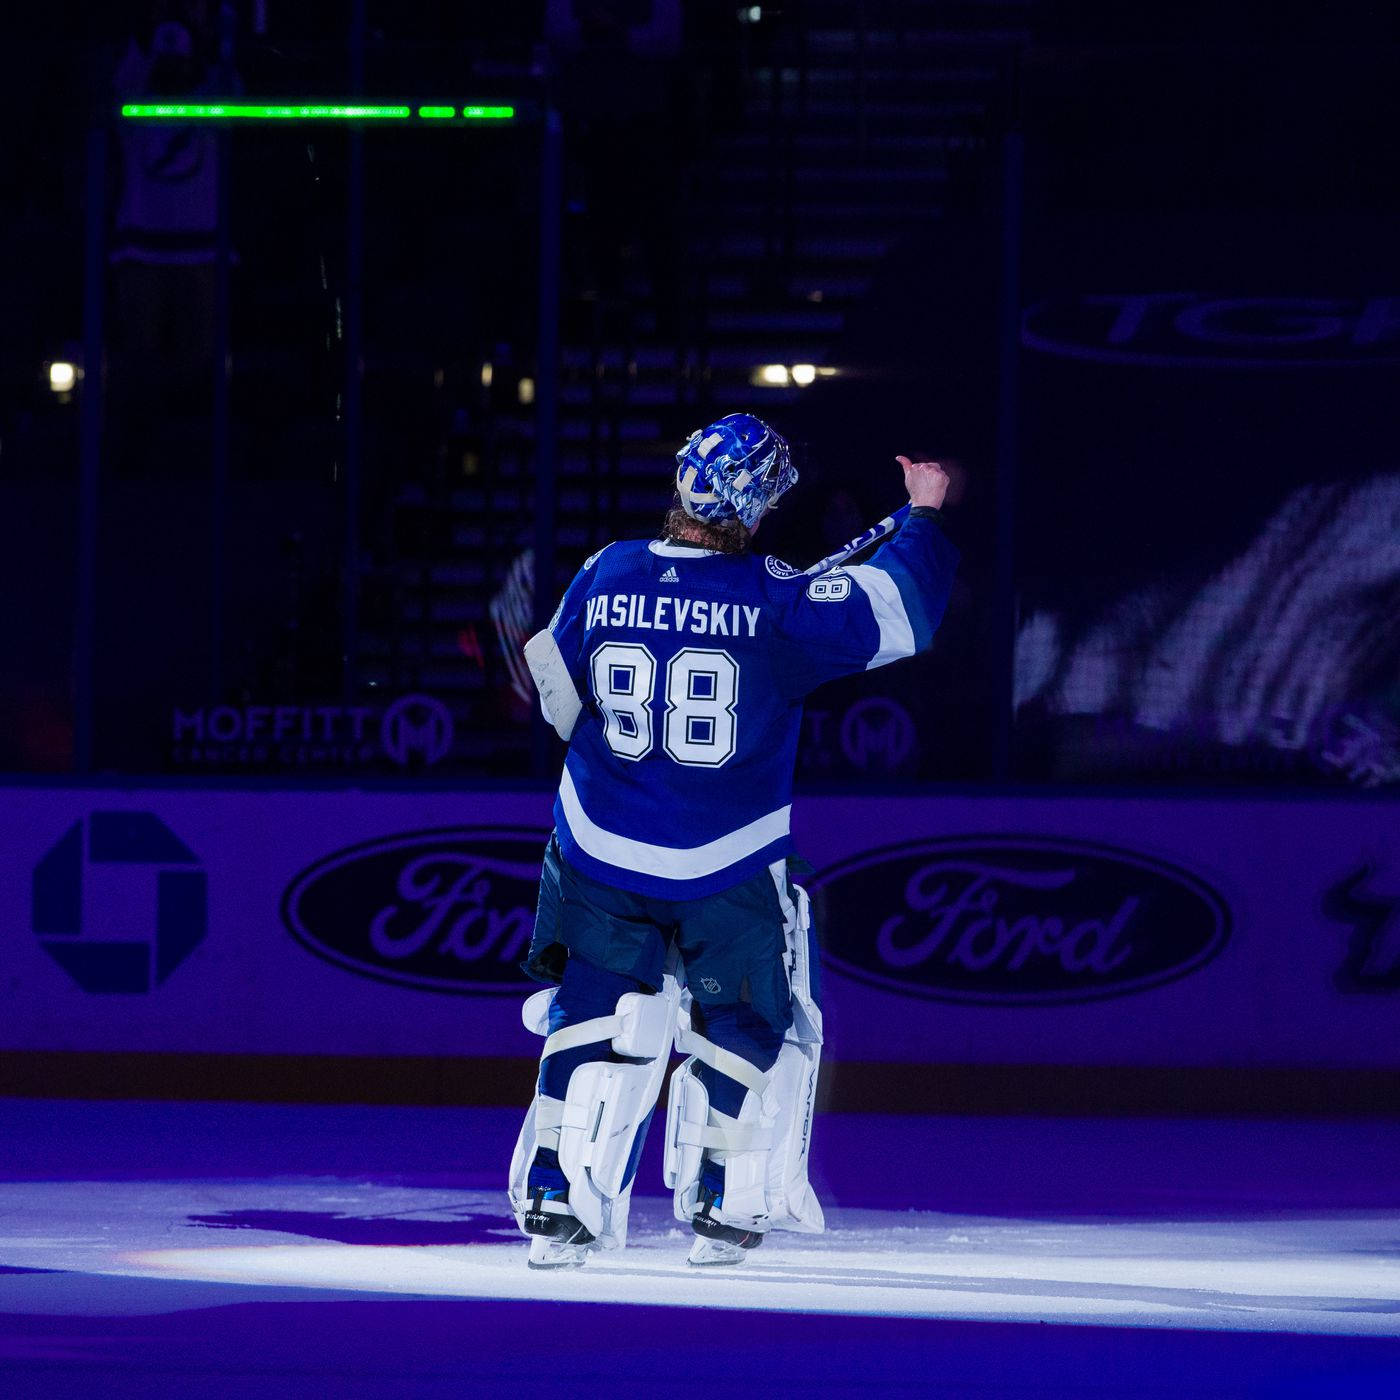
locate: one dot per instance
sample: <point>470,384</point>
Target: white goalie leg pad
<point>764,1151</point>
<point>542,1118</point>
<point>693,1128</point>
<point>806,1026</point>
<point>792,1088</point>
<point>593,1128</point>
<point>687,1120</point>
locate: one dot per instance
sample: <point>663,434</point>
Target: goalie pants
<point>597,943</point>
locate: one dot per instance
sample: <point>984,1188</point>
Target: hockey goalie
<point>668,917</point>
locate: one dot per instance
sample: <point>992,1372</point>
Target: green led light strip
<point>258,112</point>
<point>304,112</point>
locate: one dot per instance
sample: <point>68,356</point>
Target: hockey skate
<point>705,1253</point>
<point>557,1239</point>
<point>557,1252</point>
<point>716,1242</point>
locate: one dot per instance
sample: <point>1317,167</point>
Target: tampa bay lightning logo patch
<point>777,568</point>
<point>594,558</point>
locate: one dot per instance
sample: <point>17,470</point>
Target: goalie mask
<point>733,470</point>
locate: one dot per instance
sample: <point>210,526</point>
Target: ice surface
<point>180,1250</point>
<point>1334,1272</point>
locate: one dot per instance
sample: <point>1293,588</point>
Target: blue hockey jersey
<point>692,666</point>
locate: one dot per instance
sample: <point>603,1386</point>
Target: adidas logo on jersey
<point>671,576</point>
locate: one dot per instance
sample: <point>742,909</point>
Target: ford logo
<point>1015,920</point>
<point>448,910</point>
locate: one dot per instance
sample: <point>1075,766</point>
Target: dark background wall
<point>820,187</point>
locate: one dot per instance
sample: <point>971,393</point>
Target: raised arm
<point>867,615</point>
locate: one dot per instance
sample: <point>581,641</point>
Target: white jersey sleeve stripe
<point>896,631</point>
<point>668,862</point>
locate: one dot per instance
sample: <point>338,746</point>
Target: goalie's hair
<point>726,536</point>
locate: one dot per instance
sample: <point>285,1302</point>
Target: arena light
<point>525,391</point>
<point>437,114</point>
<point>785,376</point>
<point>62,376</point>
<point>487,375</point>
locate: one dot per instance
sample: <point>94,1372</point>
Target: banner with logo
<point>408,732</point>
<point>1208,549</point>
<point>989,929</point>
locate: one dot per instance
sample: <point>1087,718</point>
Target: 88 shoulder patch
<point>830,588</point>
<point>777,568</point>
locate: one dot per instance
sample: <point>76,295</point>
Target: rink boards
<point>1199,932</point>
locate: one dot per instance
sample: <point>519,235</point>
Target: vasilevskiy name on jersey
<point>693,666</point>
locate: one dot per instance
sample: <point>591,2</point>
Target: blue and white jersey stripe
<point>891,614</point>
<point>645,858</point>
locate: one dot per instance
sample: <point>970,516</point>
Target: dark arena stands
<point>338,338</point>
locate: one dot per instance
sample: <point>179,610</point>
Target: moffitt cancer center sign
<point>411,731</point>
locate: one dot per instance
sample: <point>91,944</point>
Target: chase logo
<point>120,902</point>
